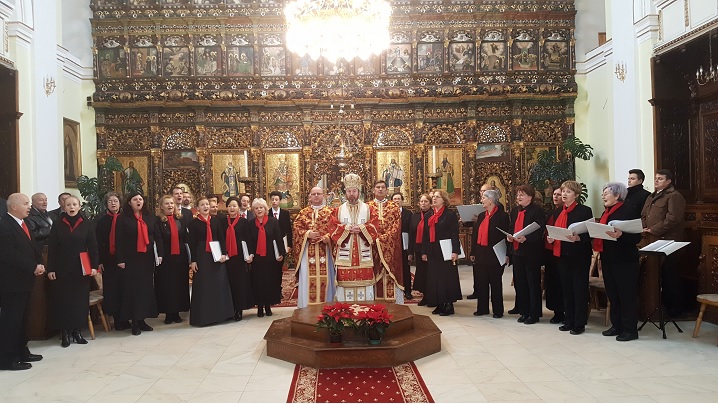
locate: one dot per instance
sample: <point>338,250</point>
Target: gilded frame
<point>493,152</point>
<point>283,172</point>
<point>456,159</point>
<point>141,165</point>
<point>72,154</point>
<point>221,165</point>
<point>392,164</point>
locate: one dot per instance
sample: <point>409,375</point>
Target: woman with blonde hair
<point>265,234</point>
<point>442,277</point>
<point>172,275</point>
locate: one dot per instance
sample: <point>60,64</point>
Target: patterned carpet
<point>400,384</point>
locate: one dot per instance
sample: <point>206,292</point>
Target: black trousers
<point>621,280</point>
<point>552,283</point>
<point>407,271</point>
<point>574,278</point>
<point>14,313</point>
<point>488,282</point>
<point>527,280</point>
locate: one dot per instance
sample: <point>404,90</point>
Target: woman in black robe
<point>106,231</point>
<point>442,276</point>
<point>527,254</point>
<point>236,230</point>
<point>265,233</point>
<point>574,259</point>
<point>172,276</point>
<point>416,238</point>
<point>70,287</point>
<point>552,277</point>
<point>211,296</point>
<point>136,241</point>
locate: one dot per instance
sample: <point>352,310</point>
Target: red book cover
<point>86,265</point>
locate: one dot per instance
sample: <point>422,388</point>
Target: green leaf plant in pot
<point>373,322</point>
<point>552,170</point>
<point>94,189</point>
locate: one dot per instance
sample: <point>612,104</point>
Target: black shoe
<point>522,319</point>
<point>514,311</point>
<point>531,320</point>
<point>439,308</point>
<point>15,366</point>
<point>557,318</point>
<point>408,296</point>
<point>422,302</point>
<point>578,330</point>
<point>627,336</point>
<point>565,327</point>
<point>260,312</point>
<point>169,319</point>
<point>177,318</point>
<point>611,332</point>
<point>144,326</point>
<point>136,329</point>
<point>237,316</point>
<point>498,315</point>
<point>122,325</point>
<point>77,337</point>
<point>268,310</point>
<point>472,296</point>
<point>65,336</point>
<point>480,313</point>
<point>448,310</point>
<point>31,358</point>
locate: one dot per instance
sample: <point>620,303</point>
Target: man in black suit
<point>285,222</point>
<point>245,208</point>
<point>637,195</point>
<point>20,262</point>
<point>398,198</point>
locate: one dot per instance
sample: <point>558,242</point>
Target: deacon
<point>388,268</point>
<point>315,267</point>
<point>354,230</point>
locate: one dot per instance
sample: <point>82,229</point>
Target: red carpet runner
<point>400,384</point>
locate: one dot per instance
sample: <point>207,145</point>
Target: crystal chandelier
<point>703,78</point>
<point>337,28</point>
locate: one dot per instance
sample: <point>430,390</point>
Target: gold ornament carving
<point>178,138</point>
<point>449,134</point>
<point>128,139</point>
<point>177,117</point>
<point>228,137</point>
<point>493,132</point>
<point>280,116</point>
<point>392,115</point>
<point>542,131</point>
<point>227,117</point>
<point>445,113</point>
<point>281,137</point>
<point>392,135</point>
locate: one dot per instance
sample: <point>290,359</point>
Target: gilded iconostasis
<point>206,93</point>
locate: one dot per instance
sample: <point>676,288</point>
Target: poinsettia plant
<point>373,320</point>
<point>335,317</point>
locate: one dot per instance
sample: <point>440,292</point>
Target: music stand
<point>661,321</point>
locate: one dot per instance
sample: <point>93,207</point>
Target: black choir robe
<point>267,271</point>
<point>443,284</point>
<point>240,281</point>
<point>111,274</point>
<point>415,250</point>
<point>172,276</point>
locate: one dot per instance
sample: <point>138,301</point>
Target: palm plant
<point>94,189</point>
<point>558,168</point>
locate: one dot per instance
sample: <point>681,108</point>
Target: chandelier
<point>337,28</point>
<point>704,77</point>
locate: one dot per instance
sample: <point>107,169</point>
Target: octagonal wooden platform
<point>297,340</point>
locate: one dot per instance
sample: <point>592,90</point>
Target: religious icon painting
<point>496,182</point>
<point>273,61</point>
<point>394,167</point>
<point>144,62</point>
<point>367,67</point>
<point>175,61</point>
<point>398,58</point>
<point>135,173</point>
<point>449,163</point>
<point>207,61</point>
<point>462,57</point>
<point>430,57</point>
<point>112,63</point>
<point>227,168</point>
<point>72,155</point>
<point>493,152</point>
<point>493,56</point>
<point>304,65</point>
<point>283,174</point>
<point>341,67</point>
<point>240,60</point>
<point>179,159</point>
<point>554,55</point>
<point>524,53</point>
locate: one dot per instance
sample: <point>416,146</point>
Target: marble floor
<point>482,360</point>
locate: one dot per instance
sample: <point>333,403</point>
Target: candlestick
<point>433,159</point>
<point>246,164</point>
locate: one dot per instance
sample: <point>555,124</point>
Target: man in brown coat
<point>663,217</point>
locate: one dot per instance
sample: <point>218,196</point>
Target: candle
<point>246,164</point>
<point>433,159</point>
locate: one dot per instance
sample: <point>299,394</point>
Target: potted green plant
<point>373,322</point>
<point>552,169</point>
<point>93,189</point>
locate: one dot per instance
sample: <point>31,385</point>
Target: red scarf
<point>420,228</point>
<point>262,236</point>
<point>598,242</point>
<point>209,231</point>
<point>143,238</point>
<point>519,225</point>
<point>113,244</point>
<point>562,221</point>
<point>483,239</point>
<point>77,223</point>
<point>174,236</point>
<point>432,223</point>
<point>231,237</point>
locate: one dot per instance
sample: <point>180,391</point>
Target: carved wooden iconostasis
<point>209,96</point>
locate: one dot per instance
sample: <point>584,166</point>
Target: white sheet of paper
<point>505,232</point>
<point>527,230</point>
<point>580,227</point>
<point>245,250</point>
<point>598,230</point>
<point>189,253</point>
<point>467,212</point>
<point>446,249</point>
<point>276,250</point>
<point>559,233</point>
<point>500,251</point>
<point>216,250</point>
<point>634,226</point>
<point>286,246</point>
<point>667,247</point>
<point>157,257</point>
<point>405,240</point>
